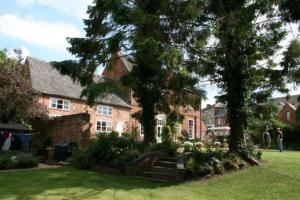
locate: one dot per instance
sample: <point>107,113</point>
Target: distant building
<point>287,108</point>
<point>214,116</point>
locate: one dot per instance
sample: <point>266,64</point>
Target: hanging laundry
<point>15,142</point>
<point>7,143</point>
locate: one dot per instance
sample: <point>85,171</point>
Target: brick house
<point>287,109</point>
<point>214,116</point>
<point>62,96</point>
<point>191,123</point>
<point>287,114</point>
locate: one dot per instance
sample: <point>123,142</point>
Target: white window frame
<point>63,104</point>
<point>191,134</point>
<point>288,116</point>
<point>107,129</point>
<point>102,108</point>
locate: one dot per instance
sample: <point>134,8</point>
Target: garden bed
<point>17,160</point>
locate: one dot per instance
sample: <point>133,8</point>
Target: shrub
<point>188,146</point>
<point>192,168</point>
<point>6,161</point>
<point>229,164</point>
<point>26,160</point>
<point>81,159</point>
<point>167,136</point>
<point>107,150</point>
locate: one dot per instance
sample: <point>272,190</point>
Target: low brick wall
<point>64,129</point>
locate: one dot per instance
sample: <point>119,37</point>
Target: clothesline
<point>14,141</point>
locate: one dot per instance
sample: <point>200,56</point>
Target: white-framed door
<point>120,128</point>
<point>160,123</point>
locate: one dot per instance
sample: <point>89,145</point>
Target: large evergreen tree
<point>154,34</point>
<point>245,39</point>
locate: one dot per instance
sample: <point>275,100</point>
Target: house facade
<point>287,114</point>
<point>214,116</point>
<point>191,123</point>
<point>287,109</point>
<point>62,97</point>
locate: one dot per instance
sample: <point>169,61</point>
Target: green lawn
<point>278,178</point>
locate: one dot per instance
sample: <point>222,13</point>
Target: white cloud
<point>25,52</point>
<point>76,8</point>
<point>38,32</point>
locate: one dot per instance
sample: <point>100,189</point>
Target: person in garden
<point>279,138</point>
<point>267,138</point>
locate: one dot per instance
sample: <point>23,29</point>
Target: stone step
<point>169,159</point>
<point>162,176</point>
<point>166,164</point>
<point>153,179</point>
<point>164,170</point>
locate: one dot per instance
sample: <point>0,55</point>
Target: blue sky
<point>40,28</point>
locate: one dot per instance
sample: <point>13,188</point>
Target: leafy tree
<point>245,38</point>
<point>290,10</point>
<point>262,116</point>
<point>18,101</point>
<point>153,34</point>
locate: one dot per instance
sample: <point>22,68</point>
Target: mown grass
<point>278,178</point>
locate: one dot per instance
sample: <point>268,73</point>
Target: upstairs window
<point>104,110</point>
<point>59,104</point>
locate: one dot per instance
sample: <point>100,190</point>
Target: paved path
<point>40,166</point>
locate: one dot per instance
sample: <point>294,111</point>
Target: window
<point>104,126</point>
<point>141,129</point>
<point>288,116</point>
<point>104,110</point>
<point>191,129</point>
<point>60,104</point>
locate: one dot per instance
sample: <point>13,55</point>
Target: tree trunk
<point>148,121</point>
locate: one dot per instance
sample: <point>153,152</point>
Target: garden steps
<point>166,164</point>
<point>163,170</point>
<point>152,179</point>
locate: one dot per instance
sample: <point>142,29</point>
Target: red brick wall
<point>65,129</point>
<point>119,114</point>
<point>283,116</point>
<point>115,69</point>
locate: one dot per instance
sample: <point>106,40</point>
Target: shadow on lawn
<point>66,183</point>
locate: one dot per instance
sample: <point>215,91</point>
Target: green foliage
<point>26,160</point>
<point>291,137</point>
<point>167,136</point>
<point>243,41</point>
<point>18,101</point>
<point>107,150</point>
<point>153,35</point>
<point>290,10</point>
<point>20,160</point>
<point>5,161</point>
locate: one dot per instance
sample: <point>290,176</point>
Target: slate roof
<point>14,126</point>
<point>292,100</point>
<point>48,80</point>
